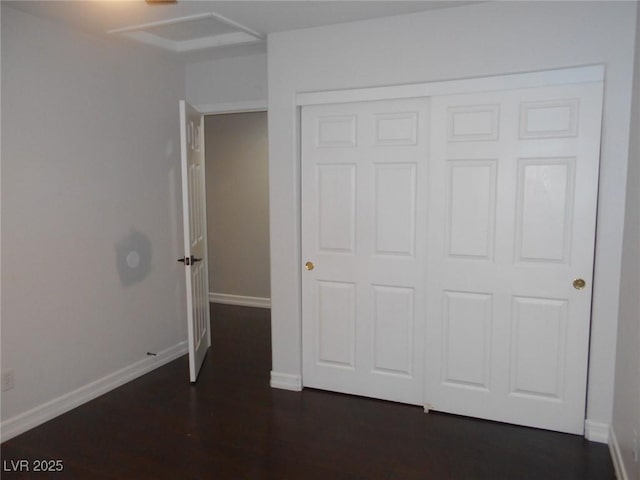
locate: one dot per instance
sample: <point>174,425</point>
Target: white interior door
<point>512,207</point>
<point>195,235</point>
<point>364,168</point>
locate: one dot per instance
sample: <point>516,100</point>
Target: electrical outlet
<point>8,380</point>
<point>636,446</point>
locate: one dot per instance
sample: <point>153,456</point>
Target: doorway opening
<point>237,204</point>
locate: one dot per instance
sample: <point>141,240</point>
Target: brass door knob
<point>309,265</point>
<point>579,284</point>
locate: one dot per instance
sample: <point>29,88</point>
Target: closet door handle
<point>579,284</point>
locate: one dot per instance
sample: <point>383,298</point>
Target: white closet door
<point>512,204</point>
<point>364,168</point>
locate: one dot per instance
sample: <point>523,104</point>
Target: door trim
<point>563,76</point>
<point>232,107</point>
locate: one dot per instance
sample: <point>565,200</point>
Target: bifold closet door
<point>512,205</point>
<point>364,199</point>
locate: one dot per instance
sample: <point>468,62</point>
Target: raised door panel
<point>393,327</point>
<point>396,128</point>
<point>472,123</point>
<point>549,119</point>
<point>201,302</point>
<point>395,215</point>
<point>336,131</point>
<point>336,324</point>
<point>545,209</point>
<point>538,347</point>
<point>467,340</point>
<point>471,208</point>
<point>336,205</point>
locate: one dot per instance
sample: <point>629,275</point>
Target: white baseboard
<point>616,456</point>
<point>241,300</point>
<point>596,431</point>
<point>47,411</point>
<point>286,381</point>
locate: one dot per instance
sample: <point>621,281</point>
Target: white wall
<point>219,82</point>
<point>89,156</point>
<point>626,407</point>
<point>477,40</point>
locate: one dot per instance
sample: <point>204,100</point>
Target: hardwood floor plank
<point>232,425</point>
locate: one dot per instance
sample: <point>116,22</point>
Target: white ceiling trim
<point>241,35</point>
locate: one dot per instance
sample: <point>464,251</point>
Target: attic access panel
<point>186,34</point>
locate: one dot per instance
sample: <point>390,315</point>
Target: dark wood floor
<point>232,425</point>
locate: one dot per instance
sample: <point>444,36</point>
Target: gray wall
<point>90,171</point>
<point>626,406</point>
<point>238,204</point>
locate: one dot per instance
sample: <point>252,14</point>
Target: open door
<point>195,235</point>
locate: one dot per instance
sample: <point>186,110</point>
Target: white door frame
<point>232,107</point>
<point>252,106</point>
<point>572,75</point>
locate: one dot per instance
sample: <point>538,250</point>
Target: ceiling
<point>211,27</point>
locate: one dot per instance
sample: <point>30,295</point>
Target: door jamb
<point>232,107</point>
